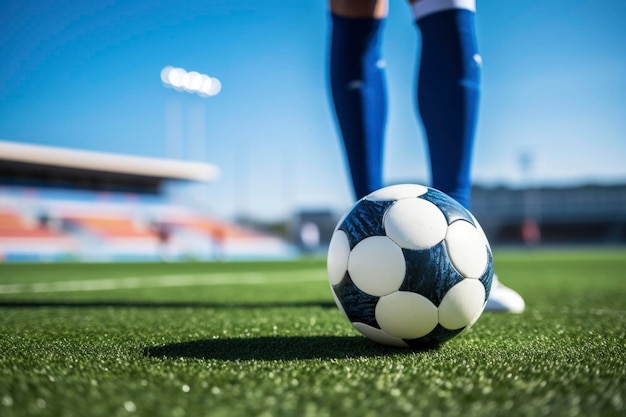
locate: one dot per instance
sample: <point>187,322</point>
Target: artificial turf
<point>265,339</point>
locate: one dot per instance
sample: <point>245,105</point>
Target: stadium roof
<point>47,165</point>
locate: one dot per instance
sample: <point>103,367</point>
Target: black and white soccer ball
<point>409,266</point>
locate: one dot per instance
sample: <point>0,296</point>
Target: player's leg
<point>358,87</point>
<point>448,96</point>
<point>448,90</point>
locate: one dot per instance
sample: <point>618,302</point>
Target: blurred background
<point>202,130</point>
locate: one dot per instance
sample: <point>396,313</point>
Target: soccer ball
<point>409,266</point>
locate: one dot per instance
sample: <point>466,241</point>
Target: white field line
<point>163,281</point>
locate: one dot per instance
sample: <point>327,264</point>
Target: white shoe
<point>503,299</point>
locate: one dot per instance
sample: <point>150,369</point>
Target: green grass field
<point>265,339</point>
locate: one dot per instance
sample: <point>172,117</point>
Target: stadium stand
<point>593,214</point>
<point>65,204</point>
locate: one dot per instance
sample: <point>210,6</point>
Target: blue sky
<point>87,75</point>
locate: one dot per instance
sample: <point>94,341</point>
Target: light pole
<point>192,82</point>
<point>530,228</point>
<point>176,127</point>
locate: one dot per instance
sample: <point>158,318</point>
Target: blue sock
<point>359,96</point>
<point>448,96</point>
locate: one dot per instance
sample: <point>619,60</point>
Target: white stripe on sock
<point>423,8</point>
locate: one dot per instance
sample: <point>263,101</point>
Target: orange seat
<point>112,227</point>
<point>14,225</point>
